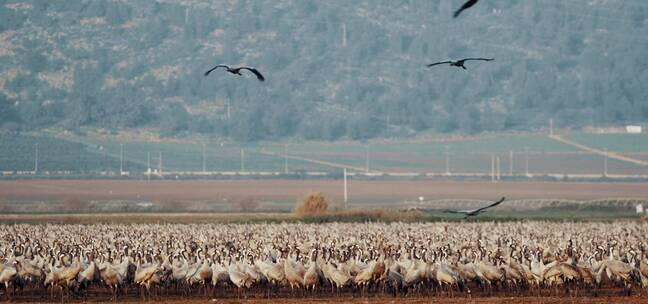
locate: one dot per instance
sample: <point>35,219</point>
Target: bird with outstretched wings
<point>466,6</point>
<point>477,211</point>
<point>237,71</point>
<point>459,63</point>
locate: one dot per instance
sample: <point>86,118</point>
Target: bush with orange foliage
<point>313,204</point>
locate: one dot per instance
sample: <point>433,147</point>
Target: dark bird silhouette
<point>459,63</point>
<point>477,211</point>
<point>466,5</point>
<point>237,71</point>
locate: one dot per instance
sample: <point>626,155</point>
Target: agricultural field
<point>626,143</point>
<point>19,152</point>
<point>537,200</point>
<point>546,156</point>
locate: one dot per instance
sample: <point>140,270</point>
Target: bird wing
<point>466,5</point>
<point>491,205</point>
<point>482,59</point>
<point>255,71</point>
<point>437,63</point>
<point>456,211</point>
<point>216,67</point>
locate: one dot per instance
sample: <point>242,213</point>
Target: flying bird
<point>237,71</point>
<point>473,212</point>
<point>466,5</point>
<point>459,63</point>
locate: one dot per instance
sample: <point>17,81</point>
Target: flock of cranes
<point>303,260</point>
<point>456,63</point>
<point>402,259</point>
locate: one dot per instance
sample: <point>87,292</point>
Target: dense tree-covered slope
<point>335,68</point>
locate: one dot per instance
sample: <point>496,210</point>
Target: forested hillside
<point>334,68</point>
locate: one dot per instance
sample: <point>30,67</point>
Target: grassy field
<point>18,153</point>
<point>387,156</point>
<point>627,143</point>
<point>546,156</point>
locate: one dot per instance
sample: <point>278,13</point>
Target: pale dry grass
<point>142,218</point>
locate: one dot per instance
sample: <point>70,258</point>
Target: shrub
<point>170,205</point>
<point>313,204</point>
<point>74,204</point>
<point>248,204</point>
<point>4,206</point>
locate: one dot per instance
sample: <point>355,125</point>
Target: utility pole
<point>605,163</point>
<point>204,159</point>
<point>242,160</point>
<point>285,158</point>
<point>148,165</point>
<point>346,196</point>
<point>551,127</point>
<point>511,162</point>
<point>36,158</point>
<point>526,156</point>
<point>344,35</point>
<point>367,158</point>
<point>121,158</point>
<point>447,160</point>
<point>160,163</point>
<point>492,168</point>
<point>228,109</point>
<point>497,159</point>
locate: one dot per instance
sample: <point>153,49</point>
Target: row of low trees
<point>336,69</point>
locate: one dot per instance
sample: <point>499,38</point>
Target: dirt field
<point>634,299</point>
<point>290,190</point>
<point>101,295</point>
<point>495,300</point>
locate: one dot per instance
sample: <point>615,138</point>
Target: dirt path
<point>612,155</point>
<point>321,162</point>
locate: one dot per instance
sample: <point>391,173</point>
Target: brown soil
<point>635,299</point>
<point>290,190</point>
<point>495,300</point>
